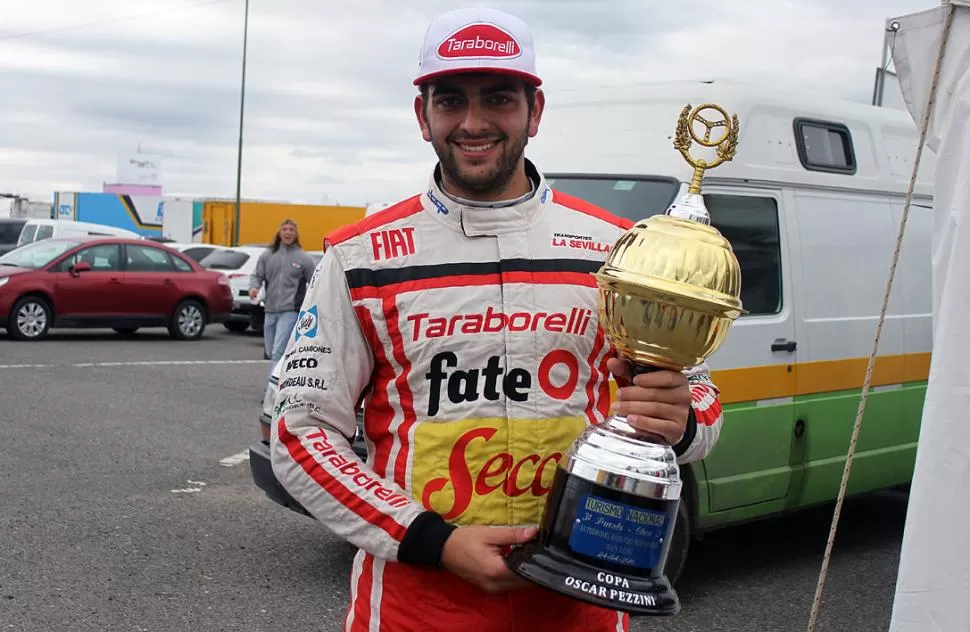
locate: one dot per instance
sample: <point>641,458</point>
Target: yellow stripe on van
<point>751,384</point>
<point>807,378</point>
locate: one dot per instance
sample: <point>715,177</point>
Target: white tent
<point>933,585</point>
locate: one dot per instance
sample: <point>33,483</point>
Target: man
<point>286,269</point>
<point>472,342</point>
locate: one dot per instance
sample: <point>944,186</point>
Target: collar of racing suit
<point>482,219</point>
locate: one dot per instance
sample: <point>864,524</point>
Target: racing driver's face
<point>479,125</point>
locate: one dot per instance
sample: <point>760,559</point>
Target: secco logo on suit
<point>496,469</point>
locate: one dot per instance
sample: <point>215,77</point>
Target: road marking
<point>235,459</point>
<point>190,490</point>
<point>144,363</point>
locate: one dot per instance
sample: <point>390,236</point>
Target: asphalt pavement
<point>126,504</point>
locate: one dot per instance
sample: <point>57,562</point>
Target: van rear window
<point>224,260</point>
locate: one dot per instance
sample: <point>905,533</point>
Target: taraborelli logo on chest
<point>479,40</point>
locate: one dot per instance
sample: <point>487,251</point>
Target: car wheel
<point>679,544</point>
<point>236,327</point>
<point>188,321</point>
<point>30,319</point>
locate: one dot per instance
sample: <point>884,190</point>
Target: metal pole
<point>242,105</point>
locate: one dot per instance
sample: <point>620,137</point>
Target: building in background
<point>139,174</point>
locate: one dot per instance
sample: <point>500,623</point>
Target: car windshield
<point>224,260</point>
<point>38,254</point>
<point>634,198</point>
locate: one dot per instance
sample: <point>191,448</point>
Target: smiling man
<point>465,324</point>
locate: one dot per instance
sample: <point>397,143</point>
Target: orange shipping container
<point>259,221</point>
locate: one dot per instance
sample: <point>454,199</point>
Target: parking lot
<point>127,504</point>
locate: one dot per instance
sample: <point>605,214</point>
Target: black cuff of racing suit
<point>689,433</point>
<point>424,540</point>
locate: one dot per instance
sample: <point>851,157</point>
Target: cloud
<point>328,101</point>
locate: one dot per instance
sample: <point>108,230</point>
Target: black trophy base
<point>637,596</point>
<point>602,546</point>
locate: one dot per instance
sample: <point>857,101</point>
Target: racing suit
<point>470,337</point>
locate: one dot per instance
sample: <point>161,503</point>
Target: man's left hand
<point>657,403</point>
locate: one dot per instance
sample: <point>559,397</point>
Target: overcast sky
<point>328,100</point>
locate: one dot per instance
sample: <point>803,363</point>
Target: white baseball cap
<point>477,40</point>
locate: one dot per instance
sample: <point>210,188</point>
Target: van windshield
<point>631,198</point>
<point>27,234</point>
<point>38,254</point>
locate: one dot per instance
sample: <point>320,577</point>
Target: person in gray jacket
<point>286,269</point>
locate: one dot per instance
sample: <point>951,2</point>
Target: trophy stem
<point>695,181</point>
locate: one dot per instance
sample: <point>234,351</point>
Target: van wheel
<point>679,544</point>
<point>30,319</point>
<point>188,320</point>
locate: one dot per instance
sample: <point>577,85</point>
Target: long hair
<point>277,240</point>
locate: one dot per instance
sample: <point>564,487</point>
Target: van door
<point>847,242</point>
<point>754,368</point>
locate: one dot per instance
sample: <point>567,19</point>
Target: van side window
<point>824,146</point>
<point>44,231</point>
<point>751,225</point>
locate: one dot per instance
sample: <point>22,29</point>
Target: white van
<point>812,204</point>
<point>37,229</point>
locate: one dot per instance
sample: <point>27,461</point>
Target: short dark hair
<point>530,96</point>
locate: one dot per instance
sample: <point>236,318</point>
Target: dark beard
<point>492,181</point>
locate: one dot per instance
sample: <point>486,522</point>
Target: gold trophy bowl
<point>668,294</point>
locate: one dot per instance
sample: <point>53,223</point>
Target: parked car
<point>237,264</point>
<point>196,251</point>
<point>95,282</point>
<point>259,460</point>
<point>10,232</point>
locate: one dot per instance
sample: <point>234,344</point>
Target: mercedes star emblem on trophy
<point>668,293</point>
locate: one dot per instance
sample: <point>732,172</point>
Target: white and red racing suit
<point>470,337</point>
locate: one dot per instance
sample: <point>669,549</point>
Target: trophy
<point>668,293</point>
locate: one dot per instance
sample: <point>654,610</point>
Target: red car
<point>111,282</point>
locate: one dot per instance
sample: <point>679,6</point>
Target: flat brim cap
<point>477,40</point>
